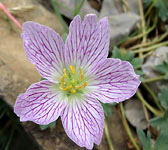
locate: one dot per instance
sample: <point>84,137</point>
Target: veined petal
<point>39,103</point>
<point>83,121</point>
<point>116,81</point>
<point>88,41</point>
<point>44,48</point>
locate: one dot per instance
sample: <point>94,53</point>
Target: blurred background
<point>138,34</point>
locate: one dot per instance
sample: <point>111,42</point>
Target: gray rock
<point>121,25</point>
<point>157,58</point>
<point>67,7</point>
<point>108,8</point>
<point>113,7</point>
<point>133,6</point>
<point>135,114</point>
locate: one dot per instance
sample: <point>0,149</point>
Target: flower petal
<point>116,81</point>
<point>88,41</point>
<point>40,103</point>
<point>44,48</point>
<point>83,121</point>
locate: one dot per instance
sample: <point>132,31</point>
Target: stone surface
<point>157,58</point>
<point>121,26</point>
<point>113,7</point>
<point>135,113</point>
<point>121,23</point>
<point>67,7</point>
<point>11,49</point>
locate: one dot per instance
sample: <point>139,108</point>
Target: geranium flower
<point>78,74</point>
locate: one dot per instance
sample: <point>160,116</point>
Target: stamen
<point>82,85</point>
<point>81,74</point>
<point>62,83</point>
<point>72,69</point>
<point>67,88</point>
<point>73,91</point>
<point>65,75</point>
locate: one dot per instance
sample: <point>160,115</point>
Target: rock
<point>121,26</point>
<point>113,7</point>
<point>108,8</point>
<point>157,58</point>
<point>67,7</point>
<point>133,6</point>
<point>11,48</point>
<point>135,113</point>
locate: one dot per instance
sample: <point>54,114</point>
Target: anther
<point>67,88</point>
<point>72,69</point>
<point>65,75</point>
<point>82,85</point>
<point>81,74</point>
<point>73,91</point>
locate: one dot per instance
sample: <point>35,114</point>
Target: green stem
<point>77,9</point>
<point>107,135</point>
<point>126,6</point>
<point>150,8</point>
<point>151,48</point>
<point>153,96</point>
<point>127,127</point>
<point>143,27</point>
<point>154,79</point>
<point>65,26</point>
<point>150,43</point>
<point>153,110</point>
<point>147,54</point>
<point>132,39</point>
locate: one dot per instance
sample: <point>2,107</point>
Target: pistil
<point>71,83</point>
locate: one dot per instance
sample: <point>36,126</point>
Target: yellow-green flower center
<point>72,81</point>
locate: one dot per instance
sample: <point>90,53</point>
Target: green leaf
<point>128,56</point>
<point>163,97</point>
<point>161,142</point>
<point>161,123</point>
<point>107,108</point>
<point>166,76</point>
<point>43,127</point>
<point>145,140</point>
<point>162,6</point>
<point>147,3</point>
<point>136,62</point>
<point>116,53</point>
<point>139,72</point>
<point>51,125</point>
<point>163,68</point>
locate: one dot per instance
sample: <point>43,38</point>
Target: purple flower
<point>78,73</point>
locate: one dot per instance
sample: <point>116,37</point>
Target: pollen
<point>72,69</point>
<point>81,74</point>
<point>82,85</point>
<point>72,81</point>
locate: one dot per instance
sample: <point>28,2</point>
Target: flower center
<point>72,81</point>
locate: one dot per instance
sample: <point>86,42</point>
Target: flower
<point>78,74</point>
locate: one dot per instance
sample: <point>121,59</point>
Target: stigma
<point>72,80</point>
